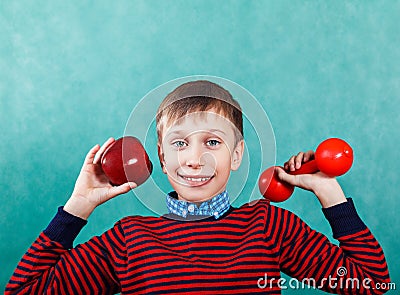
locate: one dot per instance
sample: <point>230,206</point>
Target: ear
<point>161,158</point>
<point>237,155</point>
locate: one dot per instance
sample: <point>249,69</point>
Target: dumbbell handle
<point>309,167</point>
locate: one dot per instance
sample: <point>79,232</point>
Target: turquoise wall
<point>71,73</point>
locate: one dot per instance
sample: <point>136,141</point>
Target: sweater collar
<point>216,206</point>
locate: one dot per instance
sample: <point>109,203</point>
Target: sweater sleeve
<point>356,266</point>
<point>50,266</point>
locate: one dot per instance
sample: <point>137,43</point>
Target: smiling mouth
<point>196,180</point>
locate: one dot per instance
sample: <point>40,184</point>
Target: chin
<point>194,195</point>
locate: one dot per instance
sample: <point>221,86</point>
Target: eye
<point>179,143</point>
<point>213,142</point>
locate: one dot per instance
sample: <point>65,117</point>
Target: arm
<point>353,267</point>
<point>50,265</point>
<point>308,254</point>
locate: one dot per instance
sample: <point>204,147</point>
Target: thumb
<point>121,189</point>
<point>286,177</point>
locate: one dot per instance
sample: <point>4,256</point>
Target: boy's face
<point>198,153</point>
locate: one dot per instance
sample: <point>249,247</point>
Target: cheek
<point>170,157</point>
<point>223,159</point>
<point>166,154</point>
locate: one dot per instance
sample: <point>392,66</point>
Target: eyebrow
<point>209,131</point>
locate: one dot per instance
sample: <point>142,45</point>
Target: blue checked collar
<point>216,206</point>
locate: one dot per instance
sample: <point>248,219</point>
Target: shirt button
<point>191,208</point>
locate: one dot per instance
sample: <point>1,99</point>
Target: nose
<point>194,157</point>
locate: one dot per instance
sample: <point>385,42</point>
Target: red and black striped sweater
<point>243,252</point>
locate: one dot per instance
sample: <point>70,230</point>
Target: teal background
<point>72,71</point>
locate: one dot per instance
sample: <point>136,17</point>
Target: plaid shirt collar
<point>216,206</point>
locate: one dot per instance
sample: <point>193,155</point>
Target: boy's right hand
<point>92,188</point>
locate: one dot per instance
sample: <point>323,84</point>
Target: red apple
<point>126,160</point>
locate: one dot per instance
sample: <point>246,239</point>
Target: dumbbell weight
<point>333,157</point>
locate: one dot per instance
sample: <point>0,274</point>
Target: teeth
<point>197,179</point>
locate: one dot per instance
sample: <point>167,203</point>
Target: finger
<point>286,177</point>
<point>309,155</point>
<point>299,160</point>
<point>90,155</point>
<point>286,166</point>
<point>291,163</point>
<point>102,149</point>
<point>121,189</point>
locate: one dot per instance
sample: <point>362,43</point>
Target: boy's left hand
<point>326,188</point>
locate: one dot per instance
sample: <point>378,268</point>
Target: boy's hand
<point>326,188</point>
<point>92,187</point>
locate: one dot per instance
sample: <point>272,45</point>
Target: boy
<point>204,245</point>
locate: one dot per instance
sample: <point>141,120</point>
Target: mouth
<point>196,180</point>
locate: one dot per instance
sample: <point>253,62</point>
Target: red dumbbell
<point>333,157</point>
<point>126,160</point>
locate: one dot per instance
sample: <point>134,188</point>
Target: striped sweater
<point>243,252</point>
